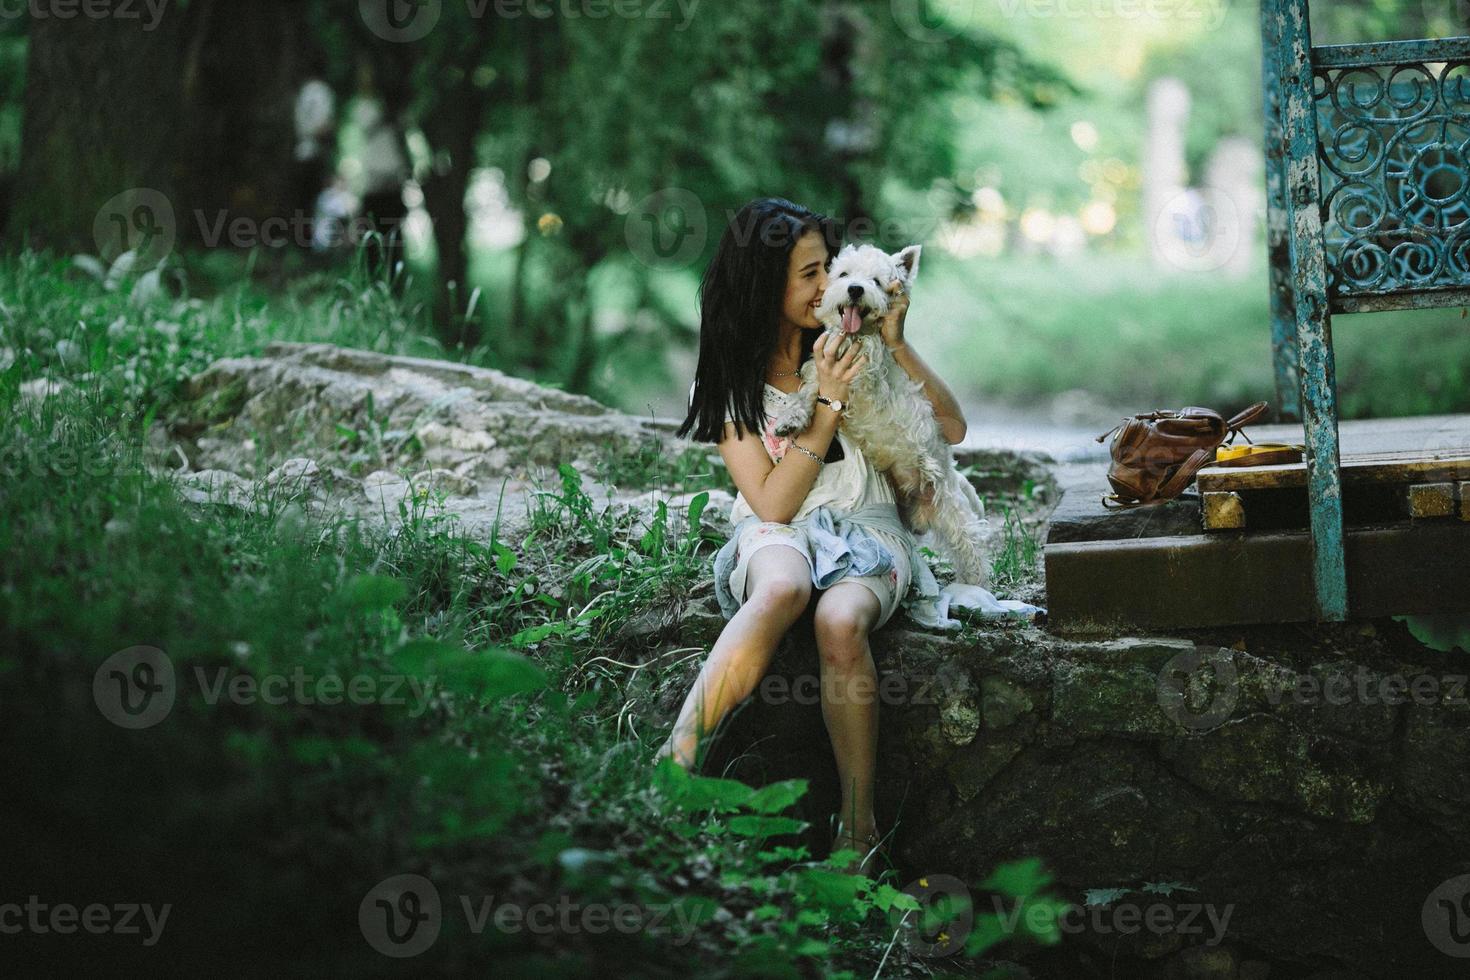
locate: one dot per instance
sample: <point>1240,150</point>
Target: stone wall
<point>1309,817</point>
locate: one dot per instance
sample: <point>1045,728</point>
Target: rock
<point>384,490</point>
<point>1201,963</point>
<point>959,715</point>
<point>296,471</point>
<point>997,471</point>
<point>1002,702</point>
<point>216,487</point>
<point>445,480</point>
<point>469,432</point>
<point>436,435</point>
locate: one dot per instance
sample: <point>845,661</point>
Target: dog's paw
<point>792,423</point>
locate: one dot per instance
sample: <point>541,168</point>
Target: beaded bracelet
<point>820,461</point>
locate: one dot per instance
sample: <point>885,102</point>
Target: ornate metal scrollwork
<point>1394,151</point>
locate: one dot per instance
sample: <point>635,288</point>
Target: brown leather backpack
<point>1155,456</point>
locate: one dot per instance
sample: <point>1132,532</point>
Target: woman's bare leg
<point>778,582</point>
<point>845,616</point>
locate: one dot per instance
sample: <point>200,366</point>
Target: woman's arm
<point>946,409</point>
<point>776,493</point>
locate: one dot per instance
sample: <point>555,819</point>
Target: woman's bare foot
<point>865,841</point>
<point>684,759</point>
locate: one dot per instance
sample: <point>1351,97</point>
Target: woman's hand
<point>891,326</point>
<point>835,374</point>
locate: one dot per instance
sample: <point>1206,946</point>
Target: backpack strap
<point>1247,416</point>
<point>1185,473</point>
<point>1111,501</point>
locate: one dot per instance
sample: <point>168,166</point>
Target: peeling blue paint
<point>1289,21</point>
<point>1303,296</point>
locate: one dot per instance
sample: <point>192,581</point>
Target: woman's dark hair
<point>740,301</point>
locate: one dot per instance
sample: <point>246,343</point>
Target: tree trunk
<point>191,123</point>
<point>245,67</point>
<point>451,128</point>
<point>101,97</point>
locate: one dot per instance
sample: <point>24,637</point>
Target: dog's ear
<point>908,259</point>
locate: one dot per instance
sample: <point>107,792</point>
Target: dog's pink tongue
<point>851,320</point>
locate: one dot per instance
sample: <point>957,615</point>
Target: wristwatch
<point>836,404</point>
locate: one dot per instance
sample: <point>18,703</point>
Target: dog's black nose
<point>855,292</point>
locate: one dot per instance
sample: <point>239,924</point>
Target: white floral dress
<point>843,487</point>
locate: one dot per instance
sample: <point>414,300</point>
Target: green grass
<point>1017,561</point>
<point>504,762</point>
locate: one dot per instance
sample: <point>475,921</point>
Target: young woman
<point>812,514</point>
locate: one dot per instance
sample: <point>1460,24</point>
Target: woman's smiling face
<point>806,280</point>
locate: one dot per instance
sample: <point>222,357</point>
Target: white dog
<point>890,419</point>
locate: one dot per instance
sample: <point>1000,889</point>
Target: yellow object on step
<point>1258,454</point>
